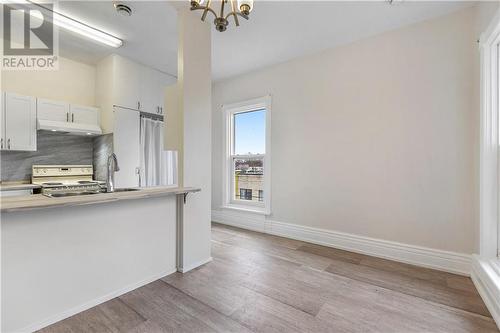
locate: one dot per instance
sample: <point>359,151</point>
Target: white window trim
<point>489,233</point>
<point>229,111</point>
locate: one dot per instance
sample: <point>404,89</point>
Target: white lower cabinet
<point>18,122</point>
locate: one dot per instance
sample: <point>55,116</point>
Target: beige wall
<point>378,138</point>
<point>74,82</point>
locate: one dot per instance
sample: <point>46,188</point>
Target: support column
<point>195,95</point>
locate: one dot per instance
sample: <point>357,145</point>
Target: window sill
<point>247,209</point>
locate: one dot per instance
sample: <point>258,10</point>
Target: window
<point>247,157</point>
<point>489,231</point>
<point>245,194</point>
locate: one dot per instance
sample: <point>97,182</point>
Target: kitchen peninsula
<point>63,255</point>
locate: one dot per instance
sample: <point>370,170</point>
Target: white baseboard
<point>447,261</point>
<point>241,220</point>
<point>194,265</point>
<point>71,312</point>
<point>487,282</point>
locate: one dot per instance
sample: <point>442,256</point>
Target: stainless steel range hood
<point>69,128</point>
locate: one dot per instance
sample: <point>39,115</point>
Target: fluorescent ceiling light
<point>86,31</point>
<point>75,26</point>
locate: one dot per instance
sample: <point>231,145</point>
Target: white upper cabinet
<point>65,112</point>
<point>160,87</point>
<point>132,86</point>
<point>84,115</point>
<point>52,110</point>
<point>19,115</point>
<point>147,91</point>
<point>127,83</point>
<point>152,90</point>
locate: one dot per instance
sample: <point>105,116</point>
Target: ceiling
<point>150,34</point>
<point>276,32</point>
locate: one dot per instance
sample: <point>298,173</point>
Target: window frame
<point>228,195</point>
<point>489,231</point>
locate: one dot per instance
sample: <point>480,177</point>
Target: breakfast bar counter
<point>38,201</point>
<point>62,255</point>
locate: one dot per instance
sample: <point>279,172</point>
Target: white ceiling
<point>150,34</point>
<point>279,31</point>
<point>276,32</point>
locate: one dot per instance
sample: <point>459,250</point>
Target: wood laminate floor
<point>263,283</point>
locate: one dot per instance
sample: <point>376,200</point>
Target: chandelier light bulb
<point>245,6</point>
<point>196,3</point>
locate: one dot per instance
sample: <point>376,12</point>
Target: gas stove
<point>65,180</point>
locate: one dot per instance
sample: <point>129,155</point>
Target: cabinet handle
<point>8,144</point>
<point>1,143</point>
<point>161,108</point>
<point>72,117</point>
<point>138,105</point>
<point>67,116</point>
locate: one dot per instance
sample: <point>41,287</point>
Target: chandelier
<point>221,21</point>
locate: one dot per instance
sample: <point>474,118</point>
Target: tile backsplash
<point>52,148</point>
<point>103,147</point>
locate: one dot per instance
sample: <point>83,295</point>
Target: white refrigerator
<point>126,146</point>
<point>131,146</point>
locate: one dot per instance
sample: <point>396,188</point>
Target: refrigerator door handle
<point>138,173</point>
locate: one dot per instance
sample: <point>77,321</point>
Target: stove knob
<point>44,170</point>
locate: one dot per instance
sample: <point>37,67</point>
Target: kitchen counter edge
<point>39,201</point>
<point>18,187</point>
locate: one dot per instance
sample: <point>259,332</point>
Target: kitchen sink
<point>129,189</point>
<point>68,194</point>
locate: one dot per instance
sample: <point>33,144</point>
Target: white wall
<point>73,82</point>
<point>377,138</point>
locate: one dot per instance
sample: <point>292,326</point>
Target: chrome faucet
<point>112,167</point>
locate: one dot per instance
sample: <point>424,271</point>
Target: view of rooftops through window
<point>248,158</point>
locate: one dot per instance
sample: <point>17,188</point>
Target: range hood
<point>68,128</point>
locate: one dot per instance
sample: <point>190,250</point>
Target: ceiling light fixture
<point>77,27</point>
<point>221,22</point>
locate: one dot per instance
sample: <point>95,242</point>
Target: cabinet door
<point>153,91</point>
<point>127,83</point>
<point>84,115</point>
<point>20,122</point>
<point>161,86</point>
<point>52,110</point>
<point>126,147</point>
<point>149,91</point>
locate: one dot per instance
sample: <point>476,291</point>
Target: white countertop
<point>38,201</point>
